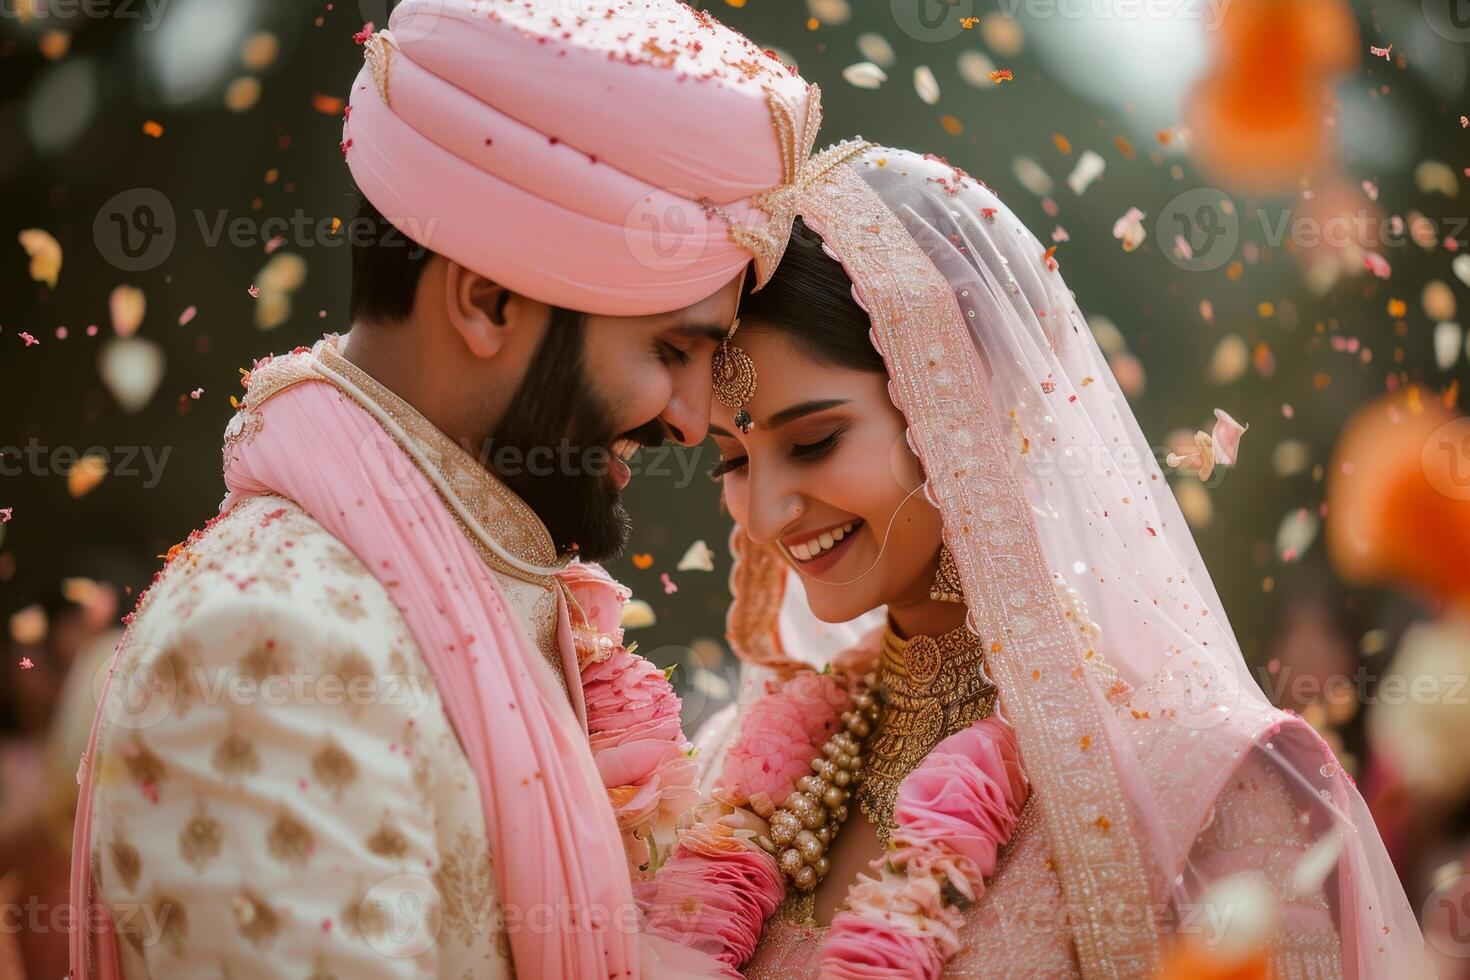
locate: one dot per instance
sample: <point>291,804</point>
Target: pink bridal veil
<point>1060,521</point>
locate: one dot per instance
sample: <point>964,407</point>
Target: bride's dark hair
<point>810,300</point>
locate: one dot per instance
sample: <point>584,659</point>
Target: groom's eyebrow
<point>702,331</point>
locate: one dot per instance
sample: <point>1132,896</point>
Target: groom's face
<point>597,389</point>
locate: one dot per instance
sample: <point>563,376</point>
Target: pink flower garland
<point>954,813</point>
<point>633,722</point>
<point>779,736</point>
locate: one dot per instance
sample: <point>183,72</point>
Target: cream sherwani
<point>274,755</point>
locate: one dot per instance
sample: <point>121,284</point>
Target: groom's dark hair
<point>386,266</point>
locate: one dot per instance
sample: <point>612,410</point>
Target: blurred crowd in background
<point>1263,205</point>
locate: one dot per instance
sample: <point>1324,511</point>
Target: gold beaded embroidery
<point>930,688</point>
<point>800,171</point>
<point>378,51</point>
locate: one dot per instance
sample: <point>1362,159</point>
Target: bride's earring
<point>946,587</point>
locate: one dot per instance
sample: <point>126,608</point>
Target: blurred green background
<point>232,110</point>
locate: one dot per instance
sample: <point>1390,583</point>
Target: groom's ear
<point>484,313</point>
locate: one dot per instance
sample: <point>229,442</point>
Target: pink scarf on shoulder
<point>547,817</point>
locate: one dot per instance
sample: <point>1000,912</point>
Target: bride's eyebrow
<point>803,409</point>
<point>790,414</point>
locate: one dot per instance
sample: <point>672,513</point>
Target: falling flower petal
<point>1433,176</point>
<point>925,85</point>
<point>26,663</point>
<point>1226,437</point>
<point>85,474</point>
<point>1297,532</point>
<point>127,305</point>
<point>669,587</point>
<point>28,626</point>
<point>1129,229</point>
<point>187,317</point>
<point>28,340</point>
<point>637,614</point>
<point>975,68</point>
<point>6,513</point>
<point>45,253</point>
<point>1229,361</point>
<point>197,394</point>
<point>1090,167</point>
<point>1438,300</point>
<point>132,369</point>
<point>1291,456</point>
<point>1032,176</point>
<point>1446,345</point>
<point>875,48</point>
<point>864,74</point>
<point>1461,268</point>
<point>699,558</point>
<point>832,12</point>
<point>1377,265</point>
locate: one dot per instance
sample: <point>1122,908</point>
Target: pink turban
<point>601,155</point>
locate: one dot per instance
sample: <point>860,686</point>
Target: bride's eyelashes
<point>805,452</point>
<point>816,450</point>
<point>718,471</point>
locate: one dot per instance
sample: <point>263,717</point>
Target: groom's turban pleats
<point>585,153</point>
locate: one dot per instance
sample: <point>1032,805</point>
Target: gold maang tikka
<point>735,378</point>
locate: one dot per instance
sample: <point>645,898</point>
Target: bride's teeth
<point>826,539</point>
<point>837,534</point>
<point>801,552</point>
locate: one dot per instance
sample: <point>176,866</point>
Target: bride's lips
<point>831,556</point>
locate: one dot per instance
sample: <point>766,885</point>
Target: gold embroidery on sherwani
<point>173,924</point>
<point>257,921</point>
<point>388,841</point>
<point>200,840</point>
<point>146,769</point>
<point>236,757</point>
<point>356,684</point>
<point>334,769</point>
<point>465,886</point>
<point>180,665</point>
<point>126,861</point>
<point>369,919</point>
<point>289,841</point>
<point>262,662</point>
<point>500,513</point>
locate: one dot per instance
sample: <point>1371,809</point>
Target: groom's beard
<point>555,407</point>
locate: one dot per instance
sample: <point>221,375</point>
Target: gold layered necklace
<point>928,688</point>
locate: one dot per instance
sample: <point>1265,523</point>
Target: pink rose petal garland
<point>954,814</point>
<point>633,721</point>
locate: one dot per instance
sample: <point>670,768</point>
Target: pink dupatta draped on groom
<point>358,542</point>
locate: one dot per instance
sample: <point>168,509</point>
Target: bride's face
<point>827,475</point>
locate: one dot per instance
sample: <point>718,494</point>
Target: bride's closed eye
<point>803,451</point>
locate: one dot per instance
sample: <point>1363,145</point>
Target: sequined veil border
<point>1032,651</point>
